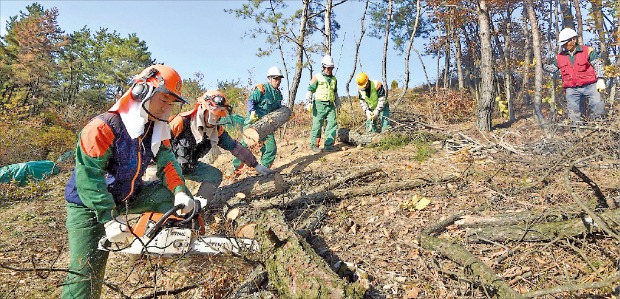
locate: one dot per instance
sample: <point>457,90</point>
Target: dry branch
<point>475,269</point>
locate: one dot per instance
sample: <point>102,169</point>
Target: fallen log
<point>266,125</point>
<point>340,194</point>
<point>250,188</point>
<point>541,232</point>
<point>354,138</point>
<point>474,268</point>
<point>293,267</point>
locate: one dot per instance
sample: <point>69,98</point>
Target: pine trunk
<point>266,125</point>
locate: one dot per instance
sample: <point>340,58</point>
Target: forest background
<point>492,50</point>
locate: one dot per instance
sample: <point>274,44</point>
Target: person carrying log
<point>374,103</point>
<point>113,152</point>
<point>325,89</point>
<point>196,132</point>
<point>264,99</point>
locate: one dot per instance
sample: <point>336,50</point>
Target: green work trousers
<point>87,263</point>
<point>268,152</point>
<point>323,111</point>
<point>204,172</point>
<point>383,119</point>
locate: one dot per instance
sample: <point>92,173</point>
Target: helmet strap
<point>149,112</point>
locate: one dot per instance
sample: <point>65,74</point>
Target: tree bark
<point>540,232</point>
<point>328,27</point>
<point>354,138</point>
<point>485,101</point>
<point>507,68</point>
<point>385,46</point>
<point>597,14</point>
<point>299,54</point>
<point>459,58</point>
<point>266,125</point>
<point>358,43</point>
<point>293,267</point>
<point>408,54</point>
<point>536,46</point>
<point>251,188</point>
<point>579,19</point>
<point>567,15</point>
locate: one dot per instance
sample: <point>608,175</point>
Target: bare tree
<point>579,18</point>
<point>328,27</point>
<point>385,45</point>
<point>357,52</point>
<point>485,101</point>
<point>408,53</point>
<point>299,54</point>
<point>536,45</point>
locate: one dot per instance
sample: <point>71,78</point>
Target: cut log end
<point>247,231</point>
<point>250,136</point>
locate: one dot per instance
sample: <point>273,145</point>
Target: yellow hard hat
<point>361,80</point>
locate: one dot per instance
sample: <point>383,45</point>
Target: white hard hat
<point>566,34</point>
<point>327,61</point>
<point>274,71</point>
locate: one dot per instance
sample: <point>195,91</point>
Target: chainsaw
<point>166,234</point>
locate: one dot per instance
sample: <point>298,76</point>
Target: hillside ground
<point>514,169</point>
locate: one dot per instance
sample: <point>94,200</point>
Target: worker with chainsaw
<point>264,99</point>
<point>582,76</point>
<point>196,132</point>
<point>113,152</point>
<point>374,103</point>
<point>324,87</point>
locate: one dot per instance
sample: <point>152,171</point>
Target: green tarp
<point>32,171</point>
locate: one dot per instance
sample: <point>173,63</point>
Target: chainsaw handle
<point>194,213</point>
<point>157,227</point>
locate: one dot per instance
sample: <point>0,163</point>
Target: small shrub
<point>448,105</point>
<point>423,151</point>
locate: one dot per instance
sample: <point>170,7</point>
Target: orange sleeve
<point>96,138</point>
<point>173,179</point>
<point>378,85</point>
<point>166,143</point>
<point>176,126</point>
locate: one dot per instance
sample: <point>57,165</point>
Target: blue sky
<point>198,36</point>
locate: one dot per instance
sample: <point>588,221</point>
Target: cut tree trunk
<point>541,232</point>
<point>354,138</point>
<point>250,188</point>
<point>266,125</point>
<point>293,267</point>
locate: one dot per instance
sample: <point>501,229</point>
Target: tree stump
<point>266,125</point>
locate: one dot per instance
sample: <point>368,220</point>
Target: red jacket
<point>579,73</point>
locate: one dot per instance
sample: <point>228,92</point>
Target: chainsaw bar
<point>179,241</point>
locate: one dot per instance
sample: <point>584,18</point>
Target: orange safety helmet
<point>361,79</point>
<point>214,99</point>
<point>150,80</point>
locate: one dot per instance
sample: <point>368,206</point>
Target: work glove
<point>375,114</point>
<point>309,96</point>
<point>263,170</point>
<point>253,117</point>
<point>600,85</point>
<point>182,198</point>
<point>116,230</point>
<point>368,114</point>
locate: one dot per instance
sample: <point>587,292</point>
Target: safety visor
<point>217,106</point>
<point>162,88</point>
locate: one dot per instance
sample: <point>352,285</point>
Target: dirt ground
<point>514,170</point>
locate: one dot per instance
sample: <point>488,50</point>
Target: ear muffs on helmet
<point>142,90</point>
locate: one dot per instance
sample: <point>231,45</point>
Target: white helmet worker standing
<point>327,61</point>
<point>274,71</point>
<point>566,34</point>
<point>583,77</point>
